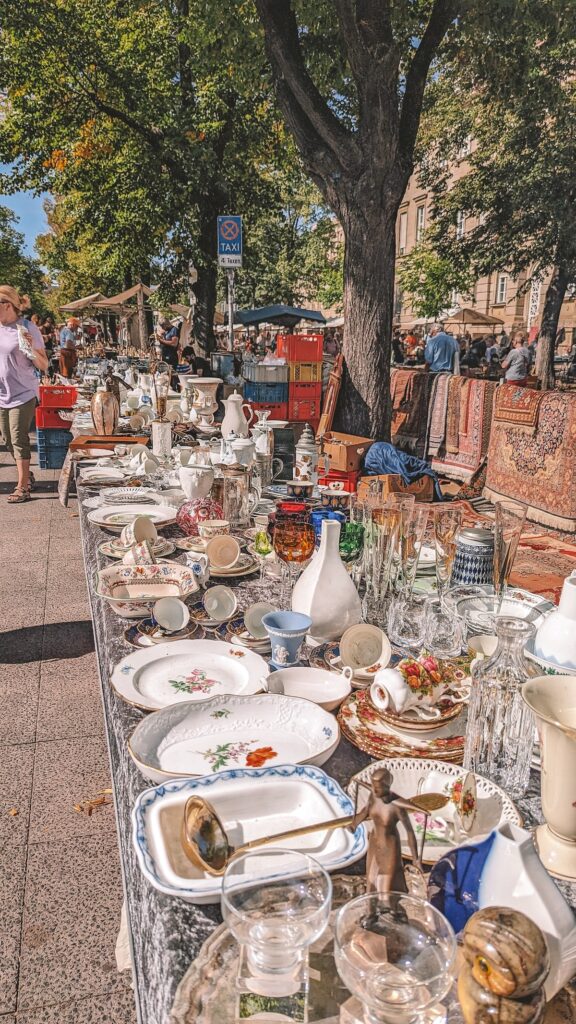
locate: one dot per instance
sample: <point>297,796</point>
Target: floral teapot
<point>234,419</point>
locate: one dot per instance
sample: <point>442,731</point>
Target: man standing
<point>440,350</point>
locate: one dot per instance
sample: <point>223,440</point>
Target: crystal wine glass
<point>447,522</point>
<point>276,903</point>
<point>384,533</point>
<point>510,519</point>
<point>294,544</point>
<point>396,953</point>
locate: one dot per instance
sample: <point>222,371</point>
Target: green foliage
<point>16,268</point>
<point>427,279</point>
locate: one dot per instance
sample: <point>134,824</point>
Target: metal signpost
<point>230,257</point>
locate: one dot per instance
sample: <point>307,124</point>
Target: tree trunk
<point>549,327</point>
<point>364,402</point>
<point>205,287</point>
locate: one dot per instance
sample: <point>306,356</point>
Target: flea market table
<point>166,934</point>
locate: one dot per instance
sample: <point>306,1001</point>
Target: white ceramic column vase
<point>105,412</point>
<point>556,636</point>
<point>325,590</point>
<point>162,439</point>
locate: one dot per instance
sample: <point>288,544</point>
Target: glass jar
<point>500,730</point>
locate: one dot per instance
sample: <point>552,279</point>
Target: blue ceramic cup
<point>286,631</point>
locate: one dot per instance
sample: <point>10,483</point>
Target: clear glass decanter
<point>500,730</point>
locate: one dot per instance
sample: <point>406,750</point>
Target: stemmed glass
<point>384,534</point>
<point>294,544</point>
<point>405,504</point>
<point>510,520</point>
<point>361,515</point>
<point>447,522</point>
<point>412,530</point>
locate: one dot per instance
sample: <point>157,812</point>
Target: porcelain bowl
<point>327,689</point>
<point>131,589</point>
<point>549,668</point>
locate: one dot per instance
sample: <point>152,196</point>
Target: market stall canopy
<point>336,321</point>
<point>116,301</point>
<point>472,317</point>
<point>79,304</point>
<point>286,316</point>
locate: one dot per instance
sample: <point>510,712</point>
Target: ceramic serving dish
<point>193,671</point>
<point>327,689</point>
<point>549,668</point>
<point>116,517</point>
<point>189,739</point>
<point>287,796</point>
<point>130,589</point>
<point>516,602</point>
<point>411,777</point>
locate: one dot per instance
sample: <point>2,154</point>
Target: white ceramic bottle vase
<point>325,590</point>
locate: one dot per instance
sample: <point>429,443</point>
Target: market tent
<point>336,321</point>
<point>286,316</point>
<point>116,301</point>
<point>474,318</point>
<point>79,304</point>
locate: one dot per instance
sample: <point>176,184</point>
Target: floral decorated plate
<point>362,724</point>
<point>191,544</point>
<point>192,670</point>
<point>287,795</point>
<point>162,548</point>
<point>141,642</point>
<point>450,826</point>
<point>191,738</point>
<point>246,564</point>
<point>116,517</point>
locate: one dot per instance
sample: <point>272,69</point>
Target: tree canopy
<point>16,267</point>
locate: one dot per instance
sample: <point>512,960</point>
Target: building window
<point>501,288</point>
<point>420,222</point>
<point>460,224</point>
<point>454,297</point>
<point>403,234</point>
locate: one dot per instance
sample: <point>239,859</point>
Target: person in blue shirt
<point>440,350</point>
<point>68,334</point>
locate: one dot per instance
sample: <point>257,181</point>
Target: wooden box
<point>393,484</point>
<point>105,441</point>
<point>345,451</point>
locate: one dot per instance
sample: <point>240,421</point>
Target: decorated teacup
<point>140,554</point>
<point>140,529</point>
<point>171,614</point>
<point>213,528</point>
<point>415,686</point>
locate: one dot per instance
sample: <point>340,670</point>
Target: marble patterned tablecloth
<point>165,933</point>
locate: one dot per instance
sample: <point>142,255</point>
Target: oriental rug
<point>518,406</point>
<point>453,414</point>
<point>538,470</point>
<point>475,418</point>
<point>437,412</point>
<point>409,391</point>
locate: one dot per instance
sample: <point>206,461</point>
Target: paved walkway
<point>60,886</point>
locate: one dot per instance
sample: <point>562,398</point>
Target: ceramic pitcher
<point>234,419</point>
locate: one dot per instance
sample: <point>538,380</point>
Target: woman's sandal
<point>18,496</point>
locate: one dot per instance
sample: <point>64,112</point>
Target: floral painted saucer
<point>327,656</point>
<point>364,727</point>
<point>162,548</point>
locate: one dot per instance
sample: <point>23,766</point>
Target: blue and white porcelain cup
<point>287,631</point>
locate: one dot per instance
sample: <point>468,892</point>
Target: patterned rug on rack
<point>409,391</point>
<point>475,400</point>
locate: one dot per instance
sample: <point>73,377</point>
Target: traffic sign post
<point>229,233</point>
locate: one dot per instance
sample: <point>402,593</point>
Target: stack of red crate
<point>53,433</point>
<point>303,352</point>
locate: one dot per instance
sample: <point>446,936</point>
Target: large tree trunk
<point>205,287</point>
<point>549,328</point>
<point>364,401</point>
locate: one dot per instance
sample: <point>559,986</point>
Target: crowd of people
<point>512,357</point>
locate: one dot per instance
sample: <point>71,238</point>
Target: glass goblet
<point>396,954</point>
<point>276,903</point>
<point>509,522</point>
<point>294,544</point>
<point>447,522</point>
<point>444,629</point>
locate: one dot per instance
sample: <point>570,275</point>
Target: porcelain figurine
<point>504,870</point>
<point>325,590</point>
<point>234,419</point>
<point>556,636</point>
<point>506,963</point>
<point>386,811</point>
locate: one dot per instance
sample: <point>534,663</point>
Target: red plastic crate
<point>303,409</point>
<point>306,348</point>
<point>57,396</point>
<point>47,419</point>
<point>350,480</point>
<point>305,373</point>
<point>278,410</point>
<point>309,392</point>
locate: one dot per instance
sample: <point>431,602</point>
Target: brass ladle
<point>205,842</point>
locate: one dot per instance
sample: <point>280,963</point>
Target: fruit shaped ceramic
<point>191,513</point>
<point>325,590</point>
<point>504,870</point>
<point>555,639</point>
<point>506,963</point>
<point>105,412</point>
<point>234,421</point>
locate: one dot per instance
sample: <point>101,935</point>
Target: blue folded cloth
<point>382,458</point>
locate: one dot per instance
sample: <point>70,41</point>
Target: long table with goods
<point>166,934</point>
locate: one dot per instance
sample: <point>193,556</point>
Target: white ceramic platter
<point>189,739</point>
<point>116,517</point>
<point>102,474</point>
<point>286,797</point>
<point>162,548</point>
<point>189,670</point>
<point>413,776</point>
<point>120,495</point>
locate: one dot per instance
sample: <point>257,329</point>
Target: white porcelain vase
<point>555,639</point>
<point>196,480</point>
<point>325,591</point>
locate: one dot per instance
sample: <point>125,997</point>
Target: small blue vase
<point>287,631</point>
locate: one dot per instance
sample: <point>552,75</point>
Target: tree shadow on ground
<point>54,641</point>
